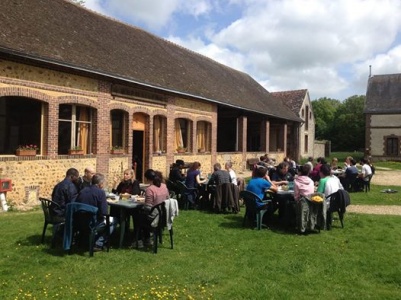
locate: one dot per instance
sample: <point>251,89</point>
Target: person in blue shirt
<point>65,192</point>
<point>94,195</point>
<point>260,183</point>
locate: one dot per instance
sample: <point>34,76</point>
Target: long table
<point>124,207</point>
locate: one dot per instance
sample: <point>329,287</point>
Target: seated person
<point>86,179</point>
<point>128,185</point>
<point>258,184</point>
<point>282,175</point>
<point>315,174</point>
<point>303,184</point>
<point>366,172</point>
<point>350,174</point>
<point>155,194</point>
<point>233,176</point>
<point>65,192</point>
<point>193,180</point>
<point>325,173</point>
<point>176,171</point>
<point>292,165</point>
<point>234,179</point>
<point>219,176</point>
<point>334,163</point>
<point>328,183</point>
<point>94,195</point>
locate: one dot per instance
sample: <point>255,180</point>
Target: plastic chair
<point>338,203</point>
<point>253,211</point>
<point>366,183</point>
<point>172,186</point>
<point>81,220</point>
<point>188,195</point>
<point>156,226</point>
<point>226,197</point>
<point>56,221</point>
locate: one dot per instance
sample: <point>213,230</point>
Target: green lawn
<point>214,258</point>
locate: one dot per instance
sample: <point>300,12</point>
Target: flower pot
<point>201,150</point>
<point>117,151</point>
<point>181,150</point>
<point>25,152</point>
<point>75,152</point>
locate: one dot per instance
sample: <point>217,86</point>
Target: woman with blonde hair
<point>128,184</point>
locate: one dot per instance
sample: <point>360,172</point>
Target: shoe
<point>149,242</point>
<point>138,244</point>
<point>97,249</point>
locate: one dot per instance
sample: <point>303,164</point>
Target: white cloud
<point>325,46</point>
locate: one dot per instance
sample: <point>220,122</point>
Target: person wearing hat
<point>176,171</point>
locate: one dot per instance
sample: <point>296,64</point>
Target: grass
<point>214,258</point>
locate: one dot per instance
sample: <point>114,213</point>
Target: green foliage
<point>342,123</point>
<point>324,110</point>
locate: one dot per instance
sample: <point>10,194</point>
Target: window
<point>182,133</point>
<point>306,146</point>
<point>203,136</point>
<point>392,146</point>
<point>307,119</point>
<point>74,128</point>
<point>159,134</point>
<point>20,123</point>
<point>117,128</point>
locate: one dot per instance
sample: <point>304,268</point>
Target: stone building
<point>383,117</point>
<point>299,102</point>
<point>71,78</point>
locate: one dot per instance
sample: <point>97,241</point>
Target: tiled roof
<point>293,99</point>
<point>66,34</point>
<point>383,94</point>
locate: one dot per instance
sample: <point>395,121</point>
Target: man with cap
<point>175,172</point>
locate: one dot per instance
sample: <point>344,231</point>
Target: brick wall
<point>34,177</point>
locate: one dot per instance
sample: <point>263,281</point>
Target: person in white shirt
<point>333,184</point>
<point>366,170</point>
<point>228,167</point>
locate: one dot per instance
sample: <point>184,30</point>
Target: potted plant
<point>181,149</point>
<point>27,150</point>
<point>117,150</point>
<point>76,150</point>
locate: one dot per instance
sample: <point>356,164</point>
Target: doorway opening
<point>138,154</point>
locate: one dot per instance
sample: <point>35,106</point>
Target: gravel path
<point>375,209</point>
<point>384,178</point>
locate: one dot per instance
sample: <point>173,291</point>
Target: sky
<point>325,46</point>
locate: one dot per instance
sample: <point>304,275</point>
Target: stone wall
<point>34,178</point>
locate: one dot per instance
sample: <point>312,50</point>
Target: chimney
<point>370,71</point>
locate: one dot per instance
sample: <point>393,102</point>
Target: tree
<point>349,125</point>
<point>324,110</point>
<point>342,123</point>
